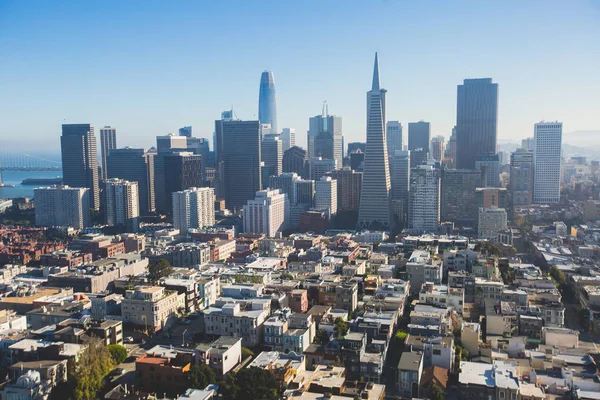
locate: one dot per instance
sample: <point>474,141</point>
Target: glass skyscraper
<point>476,121</point>
<point>267,107</point>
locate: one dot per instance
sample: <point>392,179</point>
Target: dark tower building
<point>419,136</point>
<point>134,165</point>
<point>182,171</point>
<point>80,159</point>
<point>295,160</point>
<point>476,121</point>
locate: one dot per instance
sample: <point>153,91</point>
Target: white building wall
<point>547,157</point>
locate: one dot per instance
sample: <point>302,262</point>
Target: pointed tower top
<point>376,75</point>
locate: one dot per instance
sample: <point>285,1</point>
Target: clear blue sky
<point>150,67</point>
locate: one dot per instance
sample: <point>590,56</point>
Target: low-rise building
<point>244,320</point>
<point>410,369</point>
<point>222,355</point>
<point>151,307</point>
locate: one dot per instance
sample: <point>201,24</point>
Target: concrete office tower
<point>193,208</point>
<point>459,202</point>
<point>134,165</point>
<point>419,136</point>
<point>108,142</point>
<point>165,145</point>
<point>490,167</point>
<point>272,155</point>
<point>185,131</point>
<point>357,160</point>
<point>288,138</point>
<point>320,167</point>
<point>438,148</point>
<point>241,162</point>
<point>546,162</point>
<point>182,171</point>
<point>424,199</point>
<point>355,146</point>
<point>491,222</point>
<point>267,107</point>
<point>325,137</point>
<point>393,131</point>
<point>80,159</point>
<point>450,157</point>
<point>375,202</point>
<point>304,192</point>
<point>285,184</point>
<point>121,206</point>
<point>295,160</point>
<point>418,157</point>
<point>401,180</point>
<point>267,213</point>
<point>349,187</point>
<point>62,206</point>
<point>521,177</point>
<point>528,144</point>
<point>326,195</point>
<point>476,121</point>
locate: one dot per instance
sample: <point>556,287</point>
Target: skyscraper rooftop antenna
<point>325,110</point>
<point>376,85</point>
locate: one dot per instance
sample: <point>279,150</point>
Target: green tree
<point>286,276</point>
<point>88,373</point>
<point>437,393</point>
<point>401,335</point>
<point>341,328</point>
<point>246,352</point>
<point>558,275</point>
<point>250,383</point>
<point>159,269</point>
<point>321,337</point>
<point>201,375</point>
<point>117,352</point>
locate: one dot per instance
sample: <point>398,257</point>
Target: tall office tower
<point>374,211</point>
<point>349,186</point>
<point>419,135</point>
<point>165,145</point>
<point>438,148</point>
<point>267,213</point>
<point>450,157</point>
<point>62,206</point>
<point>476,121</point>
<point>288,138</point>
<point>320,167</point>
<point>326,195</point>
<point>295,160</point>
<point>182,171</point>
<point>267,107</point>
<point>424,199</point>
<point>80,159</point>
<point>121,204</point>
<point>134,165</point>
<point>201,147</point>
<point>418,157</point>
<point>401,179</point>
<point>491,222</point>
<point>491,197</point>
<point>546,162</point>
<point>285,184</point>
<point>357,160</point>
<point>325,137</point>
<point>490,167</point>
<point>528,144</point>
<point>354,146</point>
<point>108,142</point>
<point>521,177</point>
<point>393,131</point>
<point>304,192</point>
<point>272,154</point>
<point>185,131</point>
<point>241,162</point>
<point>459,203</point>
<point>193,208</point>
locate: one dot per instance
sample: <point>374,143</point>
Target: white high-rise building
<point>393,132</point>
<point>121,204</point>
<point>546,158</point>
<point>424,199</point>
<point>62,206</point>
<point>491,221</point>
<point>193,208</point>
<point>375,205</point>
<point>326,195</point>
<point>268,213</point>
<point>288,138</point>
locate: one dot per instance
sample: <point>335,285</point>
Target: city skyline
<point>168,95</point>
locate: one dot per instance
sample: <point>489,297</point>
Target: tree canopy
<point>321,337</point>
<point>159,269</point>
<point>201,375</point>
<point>250,383</point>
<point>88,373</point>
<point>117,352</point>
<point>341,328</point>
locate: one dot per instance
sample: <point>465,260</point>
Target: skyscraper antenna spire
<point>376,74</point>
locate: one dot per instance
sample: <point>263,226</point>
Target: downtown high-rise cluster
<point>256,171</point>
